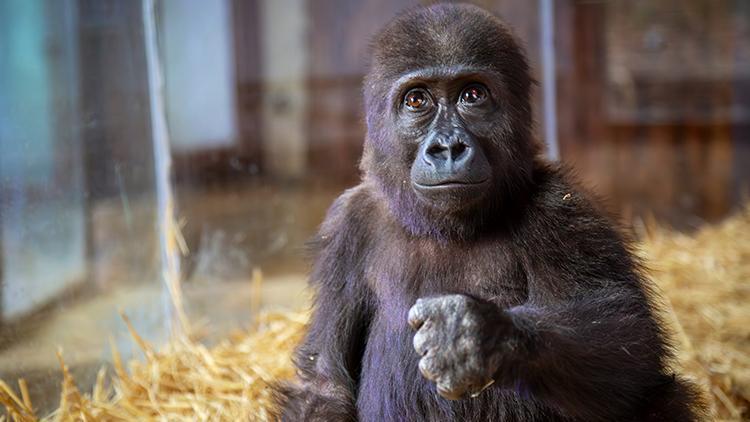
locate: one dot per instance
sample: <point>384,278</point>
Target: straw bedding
<point>704,278</point>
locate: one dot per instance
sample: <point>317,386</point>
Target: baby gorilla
<point>464,257</point>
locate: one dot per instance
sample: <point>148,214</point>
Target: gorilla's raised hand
<point>461,342</point>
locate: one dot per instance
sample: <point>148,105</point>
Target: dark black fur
<point>565,324</point>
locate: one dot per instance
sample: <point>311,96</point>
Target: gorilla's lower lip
<point>450,183</point>
<point>454,194</point>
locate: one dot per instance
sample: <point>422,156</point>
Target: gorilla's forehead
<point>442,73</point>
<point>443,36</point>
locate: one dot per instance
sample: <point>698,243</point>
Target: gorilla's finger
<point>421,311</point>
<point>450,392</point>
<point>429,367</point>
<point>421,340</point>
<point>417,316</point>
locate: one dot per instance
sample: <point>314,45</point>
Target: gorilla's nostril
<point>458,149</point>
<point>435,150</point>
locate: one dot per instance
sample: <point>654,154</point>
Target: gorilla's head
<point>449,120</point>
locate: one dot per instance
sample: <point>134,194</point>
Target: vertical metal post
<point>166,226</point>
<point>549,86</point>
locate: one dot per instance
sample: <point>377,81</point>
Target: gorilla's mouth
<point>450,184</point>
<point>456,194</point>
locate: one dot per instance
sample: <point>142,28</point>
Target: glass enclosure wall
<point>77,206</point>
<point>650,102</point>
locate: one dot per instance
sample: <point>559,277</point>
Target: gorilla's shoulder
<point>339,247</point>
<point>560,196</point>
<point>567,221</point>
<point>351,213</point>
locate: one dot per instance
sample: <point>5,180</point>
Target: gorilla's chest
<point>402,273</point>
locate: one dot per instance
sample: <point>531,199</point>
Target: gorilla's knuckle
<point>421,342</point>
<point>429,367</point>
<point>449,390</point>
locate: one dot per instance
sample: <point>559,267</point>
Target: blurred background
<point>648,100</point>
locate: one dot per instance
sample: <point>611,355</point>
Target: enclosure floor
<point>83,329</point>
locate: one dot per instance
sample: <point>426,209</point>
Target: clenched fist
<point>458,339</point>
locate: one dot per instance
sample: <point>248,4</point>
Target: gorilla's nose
<point>447,153</point>
<point>449,162</point>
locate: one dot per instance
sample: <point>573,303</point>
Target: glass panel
<point>262,101</point>
<point>76,190</point>
<point>40,162</point>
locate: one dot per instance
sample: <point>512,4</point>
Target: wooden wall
<point>652,103</point>
<point>653,99</point>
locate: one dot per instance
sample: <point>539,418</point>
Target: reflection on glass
<point>263,106</point>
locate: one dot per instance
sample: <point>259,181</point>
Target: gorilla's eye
<point>474,94</point>
<point>416,99</point>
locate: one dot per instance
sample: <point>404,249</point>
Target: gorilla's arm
<point>329,358</point>
<point>595,357</point>
<point>587,338</point>
<point>327,363</point>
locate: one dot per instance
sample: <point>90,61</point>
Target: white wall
<point>199,73</point>
<point>285,62</point>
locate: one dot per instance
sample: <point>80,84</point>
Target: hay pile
<point>705,278</point>
<point>183,382</point>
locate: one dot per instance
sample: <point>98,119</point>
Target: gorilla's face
<point>448,119</point>
<point>441,120</point>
